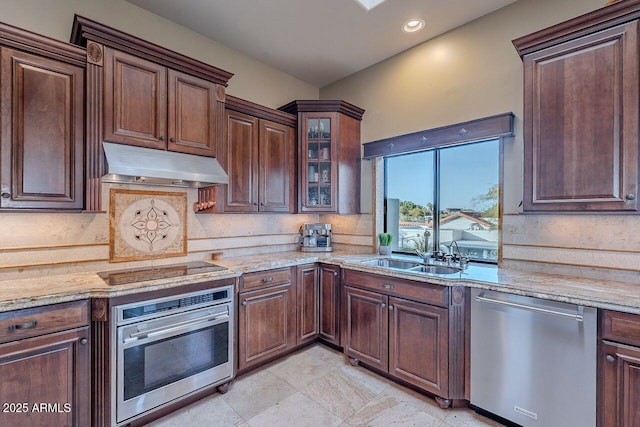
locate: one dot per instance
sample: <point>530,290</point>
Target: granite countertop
<point>23,293</point>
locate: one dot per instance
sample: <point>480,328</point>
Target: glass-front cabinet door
<point>319,166</point>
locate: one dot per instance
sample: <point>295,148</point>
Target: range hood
<point>136,165</point>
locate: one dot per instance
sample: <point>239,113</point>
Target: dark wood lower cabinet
<point>307,313</point>
<point>329,299</point>
<point>414,331</point>
<point>266,324</point>
<point>620,385</point>
<point>366,327</point>
<point>418,344</point>
<point>45,380</point>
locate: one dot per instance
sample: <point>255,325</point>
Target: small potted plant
<point>385,243</point>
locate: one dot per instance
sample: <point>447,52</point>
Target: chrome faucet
<point>424,254</point>
<point>456,256</point>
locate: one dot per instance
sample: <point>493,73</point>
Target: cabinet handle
<point>267,279</point>
<point>172,139</point>
<point>631,196</point>
<point>6,195</point>
<point>83,341</point>
<point>383,305</point>
<point>386,286</point>
<point>610,358</point>
<point>244,302</point>
<point>28,325</point>
<point>390,307</point>
<point>161,138</point>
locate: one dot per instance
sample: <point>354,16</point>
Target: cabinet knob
<point>631,196</point>
<point>335,274</point>
<point>172,139</point>
<point>244,302</point>
<point>261,203</point>
<point>6,195</point>
<point>161,138</point>
<point>255,203</point>
<point>383,305</point>
<point>83,341</point>
<point>610,358</point>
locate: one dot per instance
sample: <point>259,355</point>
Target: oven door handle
<point>177,327</point>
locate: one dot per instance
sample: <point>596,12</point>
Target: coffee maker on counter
<point>315,238</point>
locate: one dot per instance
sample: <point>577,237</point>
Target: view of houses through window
<point>436,197</point>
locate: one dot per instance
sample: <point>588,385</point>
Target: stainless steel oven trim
<point>223,373</point>
<point>119,310</point>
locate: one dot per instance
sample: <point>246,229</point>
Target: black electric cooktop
<point>135,275</point>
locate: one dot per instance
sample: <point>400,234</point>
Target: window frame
<point>437,192</point>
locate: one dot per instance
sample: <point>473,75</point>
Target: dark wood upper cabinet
<point>259,157</point>
<point>42,134</point>
<point>193,114</point>
<point>149,105</point>
<point>143,94</point>
<point>135,100</point>
<point>581,108</point>
<point>329,156</point>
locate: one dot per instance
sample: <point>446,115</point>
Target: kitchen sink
<point>393,263</point>
<point>435,269</point>
<point>412,266</point>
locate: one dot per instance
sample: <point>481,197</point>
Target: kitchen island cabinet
<point>44,366</point>
<point>410,330</point>
<point>581,113</point>
<point>42,133</point>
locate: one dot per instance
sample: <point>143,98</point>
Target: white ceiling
<point>319,41</point>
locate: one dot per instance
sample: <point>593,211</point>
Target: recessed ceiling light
<point>413,25</point>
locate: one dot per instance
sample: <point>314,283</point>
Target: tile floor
<point>317,387</point>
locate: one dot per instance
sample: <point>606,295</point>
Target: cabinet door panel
<point>51,370</point>
<point>241,162</point>
<point>366,327</point>
<point>620,389</point>
<point>276,167</point>
<point>418,344</point>
<point>192,114</point>
<point>266,324</point>
<point>42,132</point>
<point>307,290</point>
<point>581,117</point>
<point>330,304</point>
<point>135,101</point>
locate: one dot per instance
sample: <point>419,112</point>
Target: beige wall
<point>32,244</point>
<point>253,80</point>
<point>472,72</point>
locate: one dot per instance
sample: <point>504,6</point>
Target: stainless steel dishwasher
<point>533,361</point>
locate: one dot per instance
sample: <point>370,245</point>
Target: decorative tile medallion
<point>147,225</point>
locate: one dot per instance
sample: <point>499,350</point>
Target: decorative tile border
<point>147,225</point>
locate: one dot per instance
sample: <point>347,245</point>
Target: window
<point>445,194</point>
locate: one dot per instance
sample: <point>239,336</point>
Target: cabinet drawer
<point>265,278</point>
<point>31,322</point>
<point>417,291</point>
<point>621,327</point>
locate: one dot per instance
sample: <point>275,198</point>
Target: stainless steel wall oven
<point>169,347</point>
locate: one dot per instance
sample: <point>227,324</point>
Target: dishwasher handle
<point>578,316</point>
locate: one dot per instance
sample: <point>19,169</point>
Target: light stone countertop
<point>625,297</point>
